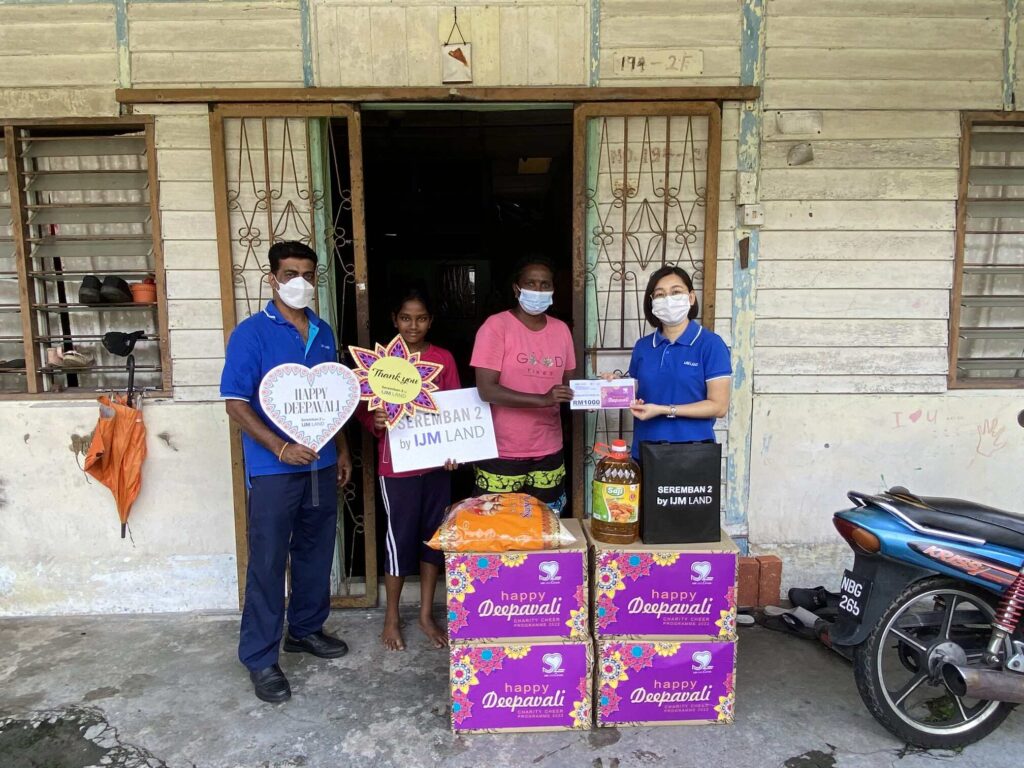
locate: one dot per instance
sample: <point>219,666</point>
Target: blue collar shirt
<point>263,342</point>
<point>677,373</point>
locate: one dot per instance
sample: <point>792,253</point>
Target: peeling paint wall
<point>60,545</point>
<point>809,450</point>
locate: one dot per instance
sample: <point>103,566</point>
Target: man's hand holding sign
<point>310,405</point>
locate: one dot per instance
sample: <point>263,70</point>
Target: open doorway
<point>453,200</point>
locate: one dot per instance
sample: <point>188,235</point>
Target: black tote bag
<point>681,499</point>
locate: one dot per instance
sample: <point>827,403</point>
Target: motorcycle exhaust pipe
<point>984,684</point>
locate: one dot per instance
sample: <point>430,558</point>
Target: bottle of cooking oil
<point>615,512</point>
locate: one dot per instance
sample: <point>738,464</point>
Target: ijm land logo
<point>552,664</point>
<point>549,571</point>
<point>701,661</point>
<point>700,572</point>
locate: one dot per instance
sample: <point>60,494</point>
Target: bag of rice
<point>499,522</point>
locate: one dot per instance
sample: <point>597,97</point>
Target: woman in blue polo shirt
<point>683,370</point>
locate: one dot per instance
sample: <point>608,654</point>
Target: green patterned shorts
<point>542,478</point>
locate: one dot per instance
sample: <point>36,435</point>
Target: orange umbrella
<point>117,451</point>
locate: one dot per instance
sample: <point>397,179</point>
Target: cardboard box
<point>511,595</point>
<point>521,686</point>
<point>665,590</point>
<point>642,682</point>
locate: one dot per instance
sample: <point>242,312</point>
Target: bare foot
<point>392,635</point>
<point>436,635</point>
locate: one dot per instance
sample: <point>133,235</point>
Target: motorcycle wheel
<point>929,621</point>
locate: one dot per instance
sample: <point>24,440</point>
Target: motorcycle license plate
<point>853,596</point>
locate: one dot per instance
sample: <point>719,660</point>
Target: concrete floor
<point>167,691</point>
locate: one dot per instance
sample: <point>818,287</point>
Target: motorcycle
<point>931,614</point>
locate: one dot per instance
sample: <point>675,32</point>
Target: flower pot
<point>143,293</point>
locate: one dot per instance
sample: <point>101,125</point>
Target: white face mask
<point>296,293</point>
<point>535,302</point>
<point>671,310</point>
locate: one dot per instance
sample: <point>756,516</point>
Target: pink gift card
<point>521,686</point>
<point>663,683</point>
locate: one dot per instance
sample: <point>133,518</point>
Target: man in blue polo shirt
<point>286,520</point>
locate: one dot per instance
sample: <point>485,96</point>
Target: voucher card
<point>591,394</point>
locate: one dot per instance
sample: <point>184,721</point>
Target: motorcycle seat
<point>996,526</point>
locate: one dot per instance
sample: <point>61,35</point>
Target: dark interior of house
<point>454,199</point>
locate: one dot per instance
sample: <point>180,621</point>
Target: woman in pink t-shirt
<point>524,359</point>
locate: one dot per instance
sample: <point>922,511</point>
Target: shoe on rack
<point>321,645</point>
<point>89,291</point>
<point>270,684</point>
<point>76,358</point>
<point>116,290</point>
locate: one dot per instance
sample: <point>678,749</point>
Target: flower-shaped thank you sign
<point>395,380</point>
<point>309,405</point>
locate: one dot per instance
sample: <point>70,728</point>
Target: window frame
<point>967,122</point>
<point>22,251</point>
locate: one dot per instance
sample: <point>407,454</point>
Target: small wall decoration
<point>456,58</point>
<point>395,380</point>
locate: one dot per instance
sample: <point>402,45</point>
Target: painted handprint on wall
<point>990,438</point>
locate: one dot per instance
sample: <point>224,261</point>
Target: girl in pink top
<point>414,501</point>
<point>524,359</point>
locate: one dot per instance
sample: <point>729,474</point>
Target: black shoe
<point>317,643</point>
<point>270,684</point>
<point>115,290</point>
<point>89,292</point>
<point>815,600</point>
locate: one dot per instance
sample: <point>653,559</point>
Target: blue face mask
<point>535,302</point>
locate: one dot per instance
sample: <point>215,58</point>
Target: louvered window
<point>987,312</point>
<point>80,258</point>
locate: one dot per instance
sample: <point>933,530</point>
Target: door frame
<point>582,114</point>
<point>351,114</point>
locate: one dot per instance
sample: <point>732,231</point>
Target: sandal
<point>789,624</point>
<point>74,358</point>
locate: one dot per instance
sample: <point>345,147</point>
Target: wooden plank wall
<point>201,44</point>
<point>373,42</point>
<point>190,248</point>
<point>661,29</point>
<point>57,60</point>
<point>857,248</point>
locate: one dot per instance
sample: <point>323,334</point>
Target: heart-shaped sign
<point>701,660</point>
<point>701,569</point>
<point>552,662</point>
<point>309,405</point>
<point>548,570</point>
